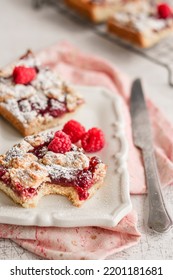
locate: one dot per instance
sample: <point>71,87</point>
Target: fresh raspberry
<point>75,130</point>
<point>23,75</point>
<point>93,140</point>
<point>164,10</point>
<point>61,143</point>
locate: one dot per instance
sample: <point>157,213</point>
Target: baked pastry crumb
<point>96,10</point>
<point>140,23</point>
<point>34,98</point>
<point>30,170</point>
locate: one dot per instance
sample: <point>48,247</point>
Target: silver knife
<point>159,219</point>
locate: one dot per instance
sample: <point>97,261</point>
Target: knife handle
<point>159,219</point>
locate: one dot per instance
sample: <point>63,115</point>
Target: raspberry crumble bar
<point>34,98</point>
<point>96,10</point>
<point>142,23</point>
<point>47,163</point>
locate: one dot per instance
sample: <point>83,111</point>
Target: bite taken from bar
<point>51,163</point>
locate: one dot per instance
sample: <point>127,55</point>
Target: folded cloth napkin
<point>95,242</point>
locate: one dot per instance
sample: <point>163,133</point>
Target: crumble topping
<point>17,154</point>
<point>56,105</point>
<point>99,172</point>
<point>101,2</point>
<point>44,98</point>
<point>9,91</point>
<point>39,139</point>
<point>32,175</point>
<point>21,168</point>
<point>142,16</point>
<point>74,159</point>
<point>47,79</point>
<point>58,171</point>
<point>56,94</point>
<point>21,161</point>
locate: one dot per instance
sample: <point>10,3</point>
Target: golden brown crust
<point>96,13</point>
<point>35,107</point>
<point>135,37</point>
<point>140,24</point>
<point>11,193</point>
<point>48,189</point>
<point>83,8</point>
<point>36,125</point>
<point>30,170</point>
<point>70,192</point>
<point>123,32</point>
<point>12,120</point>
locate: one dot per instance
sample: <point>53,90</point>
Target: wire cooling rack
<point>161,54</point>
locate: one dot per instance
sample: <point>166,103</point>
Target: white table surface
<point>21,28</point>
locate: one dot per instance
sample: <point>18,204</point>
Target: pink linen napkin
<point>95,242</point>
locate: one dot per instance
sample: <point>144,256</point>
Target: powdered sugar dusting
<point>32,175</point>
<point>25,116</point>
<point>56,93</point>
<point>39,139</point>
<point>141,16</point>
<point>25,105</point>
<point>8,88</point>
<point>18,151</point>
<point>72,159</point>
<point>56,105</point>
<point>29,61</point>
<point>47,79</point>
<point>29,170</point>
<point>58,171</point>
<point>14,152</point>
<point>40,98</point>
<point>39,101</point>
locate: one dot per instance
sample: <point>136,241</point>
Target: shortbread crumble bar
<point>31,170</point>
<point>142,23</point>
<point>34,98</point>
<point>96,10</point>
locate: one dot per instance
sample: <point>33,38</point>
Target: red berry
<point>93,140</point>
<point>61,143</point>
<point>75,130</point>
<point>164,10</point>
<point>23,75</point>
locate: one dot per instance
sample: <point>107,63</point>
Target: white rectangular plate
<point>112,202</point>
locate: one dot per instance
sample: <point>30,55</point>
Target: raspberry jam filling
<point>3,176</point>
<point>21,191</point>
<point>40,151</point>
<point>2,171</point>
<point>81,180</point>
<point>54,107</point>
<point>24,192</point>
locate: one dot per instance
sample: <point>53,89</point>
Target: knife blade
<point>139,115</point>
<point>159,219</point>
